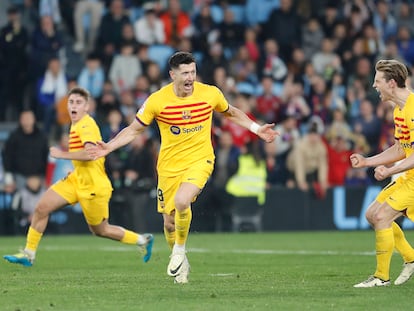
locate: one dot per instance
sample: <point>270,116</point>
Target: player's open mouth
<point>73,113</point>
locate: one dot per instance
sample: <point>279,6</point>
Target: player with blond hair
<point>397,198</point>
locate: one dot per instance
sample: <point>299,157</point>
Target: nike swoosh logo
<point>173,272</point>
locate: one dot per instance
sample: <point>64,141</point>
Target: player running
<point>88,184</point>
<point>183,110</point>
<point>397,198</point>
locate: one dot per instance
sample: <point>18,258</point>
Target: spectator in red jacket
<point>177,23</point>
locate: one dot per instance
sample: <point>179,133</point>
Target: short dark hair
<point>180,58</point>
<point>80,91</point>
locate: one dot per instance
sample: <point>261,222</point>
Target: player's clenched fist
<point>357,160</point>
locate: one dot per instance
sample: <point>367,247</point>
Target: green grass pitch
<point>247,271</point>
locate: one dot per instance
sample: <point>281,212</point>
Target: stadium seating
<point>160,54</point>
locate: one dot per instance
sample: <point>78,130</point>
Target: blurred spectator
<point>356,13</point>
<point>368,124</point>
<point>46,42</point>
<point>25,200</point>
<point>296,66</point>
<point>355,94</point>
<point>139,180</point>
<point>177,23</point>
<point>155,77</point>
<point>338,127</point>
<point>50,89</point>
<point>224,82</point>
<point>149,29</point>
<point>250,177</point>
<point>127,107</point>
<point>93,9</point>
<point>329,18</point>
<point>92,76</point>
<point>403,12</point>
<point>114,124</point>
<point>384,21</point>
<point>339,150</point>
<point>271,62</point>
<point>296,104</point>
<point>317,100</point>
<point>204,28</point>
<point>326,62</point>
<point>125,69</point>
<point>308,162</point>
<point>51,8</point>
<point>110,31</point>
<point>13,65</point>
<point>268,106</point>
<point>242,68</point>
<point>251,44</point>
<point>25,151</point>
<point>363,72</point>
<point>373,43</point>
<point>29,15</point>
<point>390,52</point>
<point>106,103</point>
<point>215,58</point>
<point>387,137</point>
<point>342,43</point>
<point>231,32</point>
<point>115,162</point>
<point>277,152</point>
<point>128,37</point>
<point>312,37</point>
<point>141,90</point>
<point>405,44</point>
<point>284,26</point>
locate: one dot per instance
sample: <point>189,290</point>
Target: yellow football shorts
<point>399,194</point>
<point>95,205</point>
<point>197,174</point>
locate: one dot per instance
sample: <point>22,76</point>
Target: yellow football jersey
<point>90,175</point>
<point>404,128</point>
<point>184,123</point>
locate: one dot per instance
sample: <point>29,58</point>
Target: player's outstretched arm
<point>81,155</point>
<point>265,131</point>
<point>124,137</point>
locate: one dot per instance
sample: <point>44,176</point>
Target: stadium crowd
<point>305,65</point>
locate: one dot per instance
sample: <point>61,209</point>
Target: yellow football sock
<point>129,237</point>
<point>182,225</point>
<point>33,239</point>
<point>170,237</point>
<point>401,244</point>
<point>384,246</point>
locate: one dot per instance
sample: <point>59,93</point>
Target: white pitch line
<point>221,251</point>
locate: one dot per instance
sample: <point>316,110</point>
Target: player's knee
<point>98,231</point>
<point>181,203</point>
<point>42,209</point>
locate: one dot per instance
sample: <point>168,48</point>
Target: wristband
<point>254,127</point>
